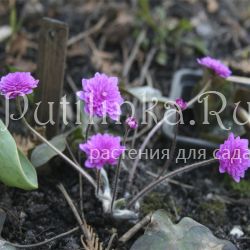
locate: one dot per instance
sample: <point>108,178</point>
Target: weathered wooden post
<point>51,65</point>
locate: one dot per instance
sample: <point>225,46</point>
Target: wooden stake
<point>51,65</point>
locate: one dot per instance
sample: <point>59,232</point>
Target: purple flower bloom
<point>181,103</point>
<point>17,84</point>
<point>102,150</point>
<point>101,96</point>
<point>233,156</point>
<point>131,123</point>
<point>216,66</point>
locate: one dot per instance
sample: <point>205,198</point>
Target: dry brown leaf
<point>104,62</point>
<point>21,64</point>
<point>24,143</point>
<point>78,49</point>
<point>4,5</point>
<point>243,65</point>
<point>93,243</point>
<point>89,7</point>
<point>18,44</point>
<point>120,27</point>
<point>212,6</point>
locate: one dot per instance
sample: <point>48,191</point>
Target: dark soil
<point>213,200</point>
<point>41,214</point>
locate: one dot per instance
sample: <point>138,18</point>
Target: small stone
<point>236,232</point>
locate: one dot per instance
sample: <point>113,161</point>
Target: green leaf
<point>161,57</point>
<point>144,13</point>
<point>15,169</point>
<point>43,153</point>
<point>162,234</point>
<point>198,44</point>
<point>147,94</point>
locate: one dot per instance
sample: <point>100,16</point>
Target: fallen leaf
<point>21,64</point>
<point>18,44</point>
<point>243,65</point>
<point>24,143</point>
<point>212,6</point>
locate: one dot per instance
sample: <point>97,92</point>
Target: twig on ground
<point>81,221</point>
<point>44,242</point>
<point>176,172</point>
<point>93,243</point>
<point>154,130</point>
<point>111,240</point>
<point>144,70</point>
<point>177,183</point>
<point>128,235</point>
<point>133,54</point>
<point>80,179</point>
<point>88,32</point>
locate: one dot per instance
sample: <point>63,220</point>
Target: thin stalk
<point>80,179</point>
<point>154,130</point>
<point>172,149</point>
<point>87,131</point>
<point>143,146</point>
<point>98,180</point>
<point>181,170</point>
<point>117,173</point>
<point>43,242</point>
<point>81,194</point>
<point>80,176</point>
<point>193,100</point>
<point>64,157</point>
<point>82,223</point>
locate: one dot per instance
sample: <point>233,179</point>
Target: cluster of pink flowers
<point>216,66</point>
<point>233,156</point>
<point>102,97</point>
<point>101,150</point>
<point>17,84</point>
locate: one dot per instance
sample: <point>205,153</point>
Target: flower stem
<point>117,173</point>
<point>80,176</point>
<point>172,150</point>
<point>143,146</point>
<point>98,180</point>
<point>178,171</point>
<point>87,132</point>
<point>153,131</point>
<point>68,160</point>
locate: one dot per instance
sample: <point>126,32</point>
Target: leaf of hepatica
<point>147,94</point>
<point>162,234</point>
<point>15,169</point>
<point>43,153</point>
